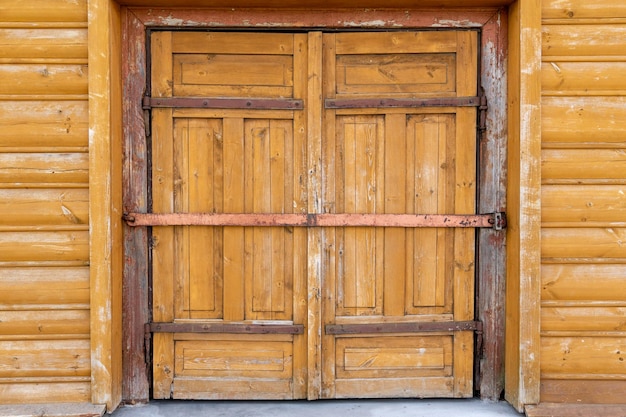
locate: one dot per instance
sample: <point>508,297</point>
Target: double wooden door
<point>279,165</point>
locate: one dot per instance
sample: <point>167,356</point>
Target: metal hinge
<point>482,115</point>
<point>147,119</point>
<point>147,340</point>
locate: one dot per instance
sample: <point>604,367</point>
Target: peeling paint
<point>457,23</point>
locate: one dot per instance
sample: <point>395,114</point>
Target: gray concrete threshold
<point>329,408</point>
<point>52,410</point>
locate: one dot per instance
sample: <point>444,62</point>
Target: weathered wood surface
<point>523,204</point>
<point>363,163</point>
<point>584,107</point>
<point>45,349</point>
<point>135,297</point>
<point>44,12</point>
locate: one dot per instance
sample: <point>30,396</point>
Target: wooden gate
<point>253,210</point>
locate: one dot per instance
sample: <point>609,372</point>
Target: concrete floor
<point>343,408</point>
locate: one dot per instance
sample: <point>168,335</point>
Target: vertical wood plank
<point>105,201</point>
<point>314,130</point>
<point>331,162</point>
<point>424,132</point>
<point>136,310</point>
<point>234,295</point>
<point>492,197</point>
<point>182,283</point>
<point>162,202</point>
<point>395,202</point>
<point>299,202</point>
<point>464,202</point>
<point>524,205</point>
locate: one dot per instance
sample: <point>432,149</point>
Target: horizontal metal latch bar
<point>316,220</point>
<point>223,103</point>
<point>232,328</point>
<point>414,327</point>
<point>351,103</point>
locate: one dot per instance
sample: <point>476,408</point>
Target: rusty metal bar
<point>232,328</point>
<point>351,103</point>
<point>493,220</point>
<point>223,103</point>
<point>414,327</point>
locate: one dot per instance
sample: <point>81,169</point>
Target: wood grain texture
<point>580,166</point>
<point>105,182</point>
<point>564,42</point>
<point>45,11</point>
<point>523,200</point>
<point>26,45</point>
<point>52,125</point>
<point>583,101</point>
<point>590,122</point>
<point>600,392</point>
<point>584,281</point>
<point>581,9</point>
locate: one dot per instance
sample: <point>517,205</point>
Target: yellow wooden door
<point>385,154</point>
<point>234,284</point>
<point>237,313</point>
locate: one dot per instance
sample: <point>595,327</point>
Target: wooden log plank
<point>58,44</point>
<point>32,79</point>
<point>583,319</point>
<point>583,243</point>
<point>50,168</point>
<point>44,207</point>
<point>26,124</point>
<point>14,392</point>
<point>564,41</point>
<point>571,77</point>
<point>44,11</point>
<point>43,323</point>
<point>580,356</point>
<point>44,246</point>
<point>589,391</point>
<point>586,281</point>
<point>56,358</point>
<point>581,166</point>
<point>586,121</point>
<point>583,205</point>
<point>581,9</point>
<point>40,285</point>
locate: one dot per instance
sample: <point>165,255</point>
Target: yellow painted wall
<point>44,234</point>
<point>583,314</point>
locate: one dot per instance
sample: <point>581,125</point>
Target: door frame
<point>116,58</point>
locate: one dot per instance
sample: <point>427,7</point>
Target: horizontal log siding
<point>44,199</point>
<point>583,201</point>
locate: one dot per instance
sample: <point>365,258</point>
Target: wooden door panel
<point>388,160</point>
<point>384,74</point>
<point>398,161</point>
<point>394,357</point>
<point>228,161</point>
<point>233,64</point>
<point>233,366</point>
